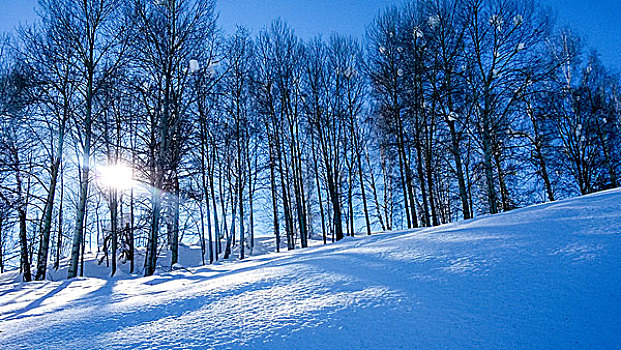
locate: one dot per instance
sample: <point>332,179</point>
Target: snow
<point>518,20</point>
<point>433,21</point>
<point>520,47</point>
<point>496,21</point>
<point>194,66</point>
<point>417,32</point>
<point>542,277</point>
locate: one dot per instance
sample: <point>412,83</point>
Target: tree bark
<point>461,182</point>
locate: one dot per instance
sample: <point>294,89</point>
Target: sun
<point>117,176</point>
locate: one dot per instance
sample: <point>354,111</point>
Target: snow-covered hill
<point>544,277</point>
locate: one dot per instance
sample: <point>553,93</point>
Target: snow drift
<point>547,276</point>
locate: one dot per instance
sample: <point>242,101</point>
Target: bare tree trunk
<point>114,227</point>
<point>319,198</point>
<point>174,244</point>
<point>205,190</point>
<point>223,208</point>
<point>538,143</point>
<point>336,205</point>
<point>80,214</point>
<point>151,255</point>
<point>240,194</point>
<point>488,166</point>
<point>251,190</point>
<point>242,233</point>
<point>376,201</point>
<point>201,229</point>
<point>544,174</point>
<point>1,245</point>
<point>404,185</point>
<point>429,175</point>
<point>465,207</point>
<point>350,200</point>
<point>215,210</point>
<point>300,200</point>
<point>422,182</point>
<point>273,187</point>
<point>230,238</point>
<point>363,193</point>
<point>504,192</point>
<point>286,198</point>
<point>84,167</point>
<point>59,236</point>
<point>23,239</point>
<point>46,226</point>
<point>130,229</point>
<point>83,247</point>
<point>209,233</point>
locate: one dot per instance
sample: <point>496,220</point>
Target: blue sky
<point>598,21</point>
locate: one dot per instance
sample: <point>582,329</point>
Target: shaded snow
<point>95,265</point>
<point>548,276</point>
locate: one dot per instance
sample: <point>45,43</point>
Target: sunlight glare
<point>118,176</point>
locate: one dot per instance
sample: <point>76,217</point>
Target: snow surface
<point>543,277</point>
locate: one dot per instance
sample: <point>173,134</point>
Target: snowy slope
<point>544,277</point>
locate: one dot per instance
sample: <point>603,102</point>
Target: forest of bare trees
<point>446,110</point>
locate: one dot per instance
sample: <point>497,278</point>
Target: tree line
<point>446,110</point>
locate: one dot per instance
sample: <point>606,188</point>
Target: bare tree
<point>501,46</point>
<point>172,33</point>
<point>17,151</point>
<point>93,29</point>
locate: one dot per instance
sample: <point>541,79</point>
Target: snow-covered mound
<point>544,277</point>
